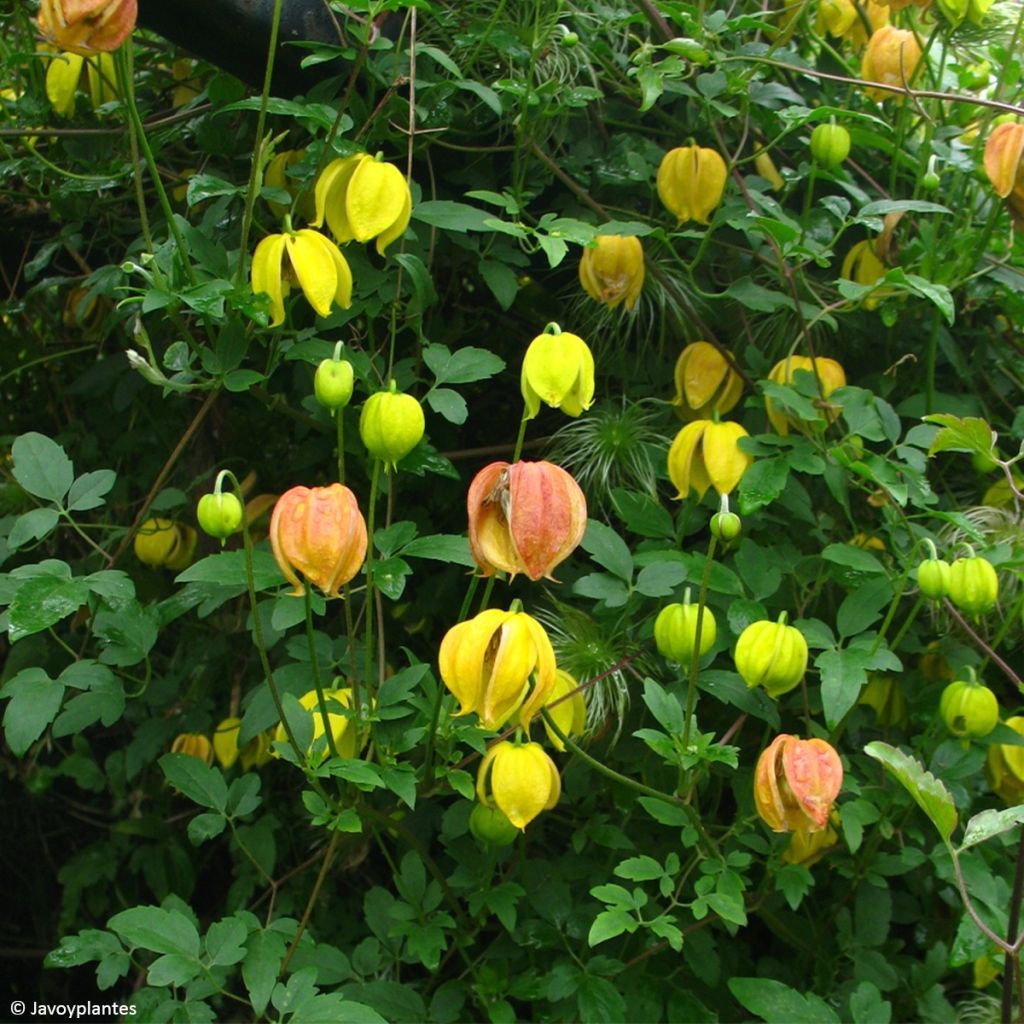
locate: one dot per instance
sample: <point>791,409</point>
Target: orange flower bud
<point>320,532</point>
<point>892,57</point>
<point>525,517</point>
<point>795,784</point>
<point>1004,158</point>
<point>87,26</point>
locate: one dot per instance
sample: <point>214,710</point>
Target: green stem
<point>908,622</point>
<point>691,688</point>
<point>639,787</point>
<point>257,156</point>
<point>520,438</point>
<point>126,76</point>
<point>311,902</point>
<point>368,642</point>
<point>314,664</point>
<point>339,415</point>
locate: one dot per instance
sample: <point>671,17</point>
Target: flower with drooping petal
<point>313,260</point>
<point>524,517</point>
<point>569,713</point>
<point>490,661</point>
<point>690,182</point>
<point>841,18</point>
<point>193,744</point>
<point>276,176</point>
<point>831,375</point>
<point>808,846</point>
<point>523,781</point>
<point>346,741</point>
<point>64,72</point>
<point>319,532</point>
<point>87,26</point>
<point>706,383</point>
<point>558,369</point>
<point>362,198</point>
<point>706,454</point>
<point>892,57</point>
<point>612,270</point>
<point>796,782</point>
<point>1004,157</point>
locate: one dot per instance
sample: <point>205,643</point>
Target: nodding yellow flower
<point>893,57</point>
<point>523,781</point>
<point>164,544</point>
<point>830,374</point>
<point>346,741</point>
<point>765,166</point>
<point>363,198</point>
<point>706,383</point>
<point>64,72</point>
<point>705,454</point>
<point>612,270</point>
<point>796,783</point>
<point>570,714</point>
<point>489,661</point>
<point>276,176</point>
<point>841,18</point>
<point>87,26</point>
<point>861,264</point>
<point>558,369</point>
<point>1005,765</point>
<point>690,182</point>
<point>316,263</point>
<point>1004,157</point>
<point>194,745</point>
<point>254,754</point>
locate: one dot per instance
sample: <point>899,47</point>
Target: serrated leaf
<point>225,942</point>
<point>31,526</point>
<point>987,824</point>
<point>42,467</point>
<point>42,601</point>
<point>156,929</point>
<point>971,434</point>
<point>842,676</point>
<point>34,700</point>
<point>777,1003</point>
<point>449,404</point>
<point>928,792</point>
<point>462,366</point>
<point>197,780</point>
<point>88,490</point>
<point>266,950</point>
<point>608,924</point>
<point>660,579</point>
<point>639,869</point>
<point>227,568</point>
<point>608,549</point>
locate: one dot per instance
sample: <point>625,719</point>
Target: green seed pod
<point>830,145</point>
<point>391,425</point>
<point>333,383</point>
<point>969,708</point>
<point>219,515</point>
<point>772,655</point>
<point>726,526</point>
<point>675,632</point>
<point>933,578</point>
<point>973,585</point>
<point>491,827</point>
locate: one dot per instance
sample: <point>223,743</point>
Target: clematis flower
<point>558,369</point>
<point>893,57</point>
<point>841,18</point>
<point>690,182</point>
<point>796,783</point>
<point>570,713</point>
<point>706,383</point>
<point>346,741</point>
<point>195,745</point>
<point>489,661</point>
<point>524,517</point>
<point>320,532</point>
<point>254,754</point>
<point>612,270</point>
<point>523,781</point>
<point>64,73</point>
<point>831,375</point>
<point>87,26</point>
<point>362,198</point>
<point>316,263</point>
<point>1004,158</point>
<point>705,454</point>
<point>807,847</point>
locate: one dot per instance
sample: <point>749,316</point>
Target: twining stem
<point>691,688</point>
<point>368,642</point>
<point>1011,965</point>
<point>704,839</point>
<point>311,902</point>
<point>257,156</point>
<point>314,664</point>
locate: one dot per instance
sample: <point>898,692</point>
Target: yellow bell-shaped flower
<point>64,72</point>
<point>363,198</point>
<point>276,176</point>
<point>842,19</point>
<point>558,369</point>
<point>706,383</point>
<point>523,781</point>
<point>706,454</point>
<point>489,661</point>
<point>317,264</point>
<point>831,375</point>
<point>892,57</point>
<point>861,264</point>
<point>612,270</point>
<point>194,745</point>
<point>691,180</point>
<point>570,713</point>
<point>346,742</point>
<point>87,26</point>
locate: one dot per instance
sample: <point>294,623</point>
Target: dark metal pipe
<point>235,35</point>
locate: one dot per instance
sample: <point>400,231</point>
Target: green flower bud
<point>332,383</point>
<point>973,585</point>
<point>675,631</point>
<point>772,655</point>
<point>391,425</point>
<point>969,708</point>
<point>830,145</point>
<point>933,578</point>
<point>490,826</point>
<point>725,526</point>
<point>219,515</point>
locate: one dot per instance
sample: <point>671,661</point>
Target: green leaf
<point>208,186</point>
<point>156,929</point>
<point>987,824</point>
<point>756,297</point>
<point>462,366</point>
<point>762,483</point>
<point>204,827</point>
<point>930,794</point>
<point>449,404</point>
<point>451,216</point>
<point>643,514</point>
<point>265,951</point>
<point>666,813</point>
<point>794,881</point>
<point>777,1003</point>
<point>867,1005</point>
<point>665,707</point>
<point>610,923</point>
<point>863,606</point>
<point>42,467</point>
<point>852,557</point>
<point>660,579</point>
<point>639,869</point>
<point>389,576</point>
<point>35,699</point>
<point>608,549</point>
<point>104,702</point>
<point>88,490</point>
<point>42,601</point>
<point>32,526</point>
<point>843,673</point>
<point>599,1001</point>
<point>227,568</point>
<point>880,207</point>
<point>172,969</point>
<point>601,586</point>
<point>502,281</point>
<point>126,635</point>
<point>225,942</point>
<point>198,781</point>
<point>972,435</point>
<point>443,547</point>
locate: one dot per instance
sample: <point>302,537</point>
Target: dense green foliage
<point>341,881</point>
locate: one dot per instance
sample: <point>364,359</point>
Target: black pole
<point>235,35</point>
